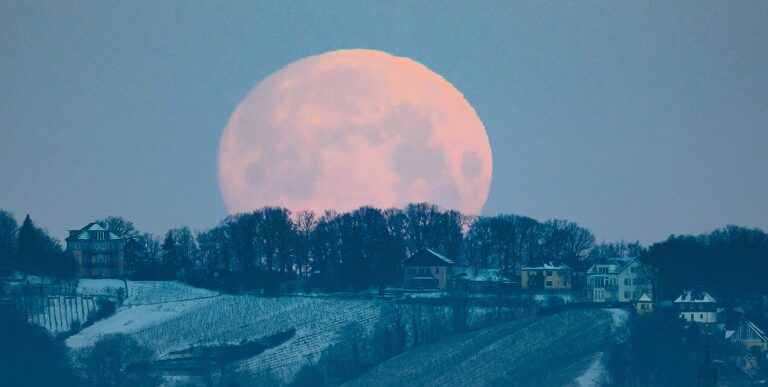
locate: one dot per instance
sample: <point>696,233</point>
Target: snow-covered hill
<point>168,317</point>
<point>556,350</point>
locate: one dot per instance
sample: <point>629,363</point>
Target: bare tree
<point>111,360</point>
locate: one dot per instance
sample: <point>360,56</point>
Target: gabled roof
<point>85,232</point>
<point>644,298</point>
<point>615,265</point>
<point>427,257</point>
<point>747,330</point>
<point>697,297</point>
<point>552,265</point>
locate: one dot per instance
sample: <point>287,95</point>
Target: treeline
<point>30,249</point>
<point>728,262</point>
<point>365,247</point>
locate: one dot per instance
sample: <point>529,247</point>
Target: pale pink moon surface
<point>351,128</point>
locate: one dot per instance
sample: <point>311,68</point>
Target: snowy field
<point>554,350</point>
<point>170,316</point>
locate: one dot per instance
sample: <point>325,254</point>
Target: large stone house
<point>618,280</point>
<point>698,307</point>
<point>99,252</point>
<point>426,269</point>
<point>550,275</point>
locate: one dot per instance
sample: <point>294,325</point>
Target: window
<point>549,283</point>
<point>701,316</point>
<point>626,294</point>
<point>626,281</point>
<point>548,273</point>
<point>633,270</point>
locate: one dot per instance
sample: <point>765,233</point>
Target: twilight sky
<point>636,120</point>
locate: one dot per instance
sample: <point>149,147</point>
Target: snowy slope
<point>209,319</point>
<point>556,350</point>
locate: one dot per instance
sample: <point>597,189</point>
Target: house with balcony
<point>548,276</point>
<point>426,269</point>
<point>99,252</point>
<point>623,279</point>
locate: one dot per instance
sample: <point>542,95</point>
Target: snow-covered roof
<point>548,266</point>
<point>644,298</point>
<point>615,265</point>
<point>747,331</point>
<point>698,297</point>
<point>85,232</point>
<point>95,227</point>
<point>427,257</point>
<point>468,273</point>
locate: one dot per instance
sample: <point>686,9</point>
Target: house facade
<point>644,304</point>
<point>426,269</point>
<point>549,276</point>
<point>698,307</point>
<point>468,278</point>
<point>99,252</point>
<point>618,280</point>
<point>749,335</point>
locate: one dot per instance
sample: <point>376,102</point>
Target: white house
<point>698,307</point>
<point>618,280</point>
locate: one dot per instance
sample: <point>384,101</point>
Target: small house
<point>644,304</point>
<point>550,275</point>
<point>468,278</point>
<point>697,306</point>
<point>426,269</point>
<point>749,335</point>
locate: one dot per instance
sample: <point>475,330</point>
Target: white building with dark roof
<point>696,306</point>
<point>622,279</point>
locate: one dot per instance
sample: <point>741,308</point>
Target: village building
<point>749,335</point>
<point>99,252</point>
<point>618,280</point>
<point>696,306</point>
<point>644,304</point>
<point>426,269</point>
<point>468,278</point>
<point>549,276</point>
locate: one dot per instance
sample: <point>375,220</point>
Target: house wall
<point>625,286</point>
<point>699,316</point>
<point>633,283</point>
<point>438,272</point>
<point>546,279</point>
<point>88,253</point>
<point>644,307</point>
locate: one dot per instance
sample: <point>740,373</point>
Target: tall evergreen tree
<point>30,250</point>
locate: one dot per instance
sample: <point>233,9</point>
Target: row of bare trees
<point>362,248</point>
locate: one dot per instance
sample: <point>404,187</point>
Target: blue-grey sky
<point>634,119</point>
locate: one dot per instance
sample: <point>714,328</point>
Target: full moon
<point>351,128</point>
